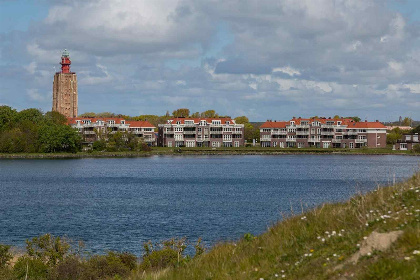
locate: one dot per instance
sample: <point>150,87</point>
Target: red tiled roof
<point>140,124</point>
<point>367,125</point>
<point>270,124</point>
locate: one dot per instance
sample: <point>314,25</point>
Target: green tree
<point>416,129</point>
<point>7,117</point>
<point>88,115</point>
<point>55,118</point>
<point>394,135</point>
<point>406,122</point>
<point>337,117</point>
<point>195,115</point>
<point>242,120</point>
<point>209,114</point>
<point>59,138</point>
<point>5,255</point>
<point>356,119</point>
<point>32,115</point>
<point>181,113</point>
<point>47,248</point>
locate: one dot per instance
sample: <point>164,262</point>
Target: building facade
<point>407,142</point>
<point>65,89</point>
<point>93,129</point>
<point>322,133</point>
<point>201,132</point>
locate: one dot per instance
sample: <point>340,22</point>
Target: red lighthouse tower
<point>65,89</point>
<point>65,62</point>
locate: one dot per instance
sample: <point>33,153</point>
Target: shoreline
<point>203,152</point>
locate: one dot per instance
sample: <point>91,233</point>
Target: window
<point>215,144</point>
<point>351,145</point>
<point>236,144</point>
<point>189,122</point>
<point>301,145</point>
<point>228,123</point>
<point>111,122</point>
<point>338,123</point>
<point>170,144</point>
<point>199,129</point>
<point>178,122</point>
<point>122,122</point>
<point>403,146</point>
<point>325,145</point>
<point>281,145</point>
<point>274,144</point>
<point>266,130</point>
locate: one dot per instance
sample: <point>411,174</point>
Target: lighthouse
<point>65,89</point>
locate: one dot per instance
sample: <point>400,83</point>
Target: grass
<point>318,244</point>
<point>213,151</point>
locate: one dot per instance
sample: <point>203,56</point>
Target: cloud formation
<point>282,58</point>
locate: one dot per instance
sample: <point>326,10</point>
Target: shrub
<point>416,148</point>
<point>162,255</point>
<point>70,268</point>
<point>5,255</point>
<point>29,268</point>
<point>111,265</point>
<point>99,145</point>
<point>47,248</point>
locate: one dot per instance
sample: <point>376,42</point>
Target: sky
<point>266,59</point>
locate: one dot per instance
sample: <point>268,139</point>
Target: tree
<point>33,115</point>
<point>394,135</point>
<point>356,119</point>
<point>195,115</point>
<point>242,120</point>
<point>416,129</point>
<point>209,114</point>
<point>336,117</point>
<point>59,138</point>
<point>7,117</point>
<point>406,122</point>
<point>55,118</point>
<point>181,113</point>
<point>88,115</point>
<point>47,248</point>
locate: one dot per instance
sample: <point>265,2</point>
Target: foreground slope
<point>371,236</point>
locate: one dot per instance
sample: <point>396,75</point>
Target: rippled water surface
<point>120,203</point>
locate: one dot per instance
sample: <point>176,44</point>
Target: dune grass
<point>319,243</point>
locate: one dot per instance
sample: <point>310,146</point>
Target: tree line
<point>32,131</point>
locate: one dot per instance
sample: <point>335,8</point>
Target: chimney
<point>377,120</point>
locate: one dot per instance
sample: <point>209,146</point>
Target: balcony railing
<point>279,132</point>
<point>350,132</point>
<point>302,132</point>
<point>337,140</point>
<point>327,133</point>
<point>361,140</point>
<point>302,126</point>
<point>190,132</point>
<point>89,132</point>
<point>291,139</point>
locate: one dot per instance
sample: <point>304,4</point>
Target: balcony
<point>89,132</point>
<point>302,132</point>
<point>265,139</point>
<point>361,140</point>
<point>350,132</point>
<point>302,126</point>
<point>337,140</point>
<point>149,139</point>
<point>290,139</point>
<point>190,132</point>
<point>315,140</point>
<point>328,125</point>
<point>279,133</point>
<point>327,132</point>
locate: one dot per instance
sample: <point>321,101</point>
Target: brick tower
<point>65,89</point>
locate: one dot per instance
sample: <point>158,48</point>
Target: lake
<point>119,203</point>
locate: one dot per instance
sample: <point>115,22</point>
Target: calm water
<point>120,203</point>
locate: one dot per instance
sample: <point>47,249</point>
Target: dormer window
<point>111,122</point>
<point>228,122</point>
<point>178,122</point>
<point>292,123</point>
<point>338,123</point>
<point>123,122</point>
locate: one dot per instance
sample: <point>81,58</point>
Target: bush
<point>99,145</point>
<point>47,248</point>
<point>111,265</point>
<point>29,268</point>
<point>162,255</point>
<point>70,268</point>
<point>416,148</point>
<point>5,256</point>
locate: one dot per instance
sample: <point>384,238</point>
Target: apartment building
<point>201,132</point>
<point>322,133</point>
<point>93,129</point>
<point>407,142</point>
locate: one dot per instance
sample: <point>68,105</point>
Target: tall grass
<point>319,243</point>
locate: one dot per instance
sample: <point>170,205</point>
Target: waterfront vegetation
<point>371,236</point>
<point>150,151</point>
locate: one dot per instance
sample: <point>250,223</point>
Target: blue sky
<point>266,59</point>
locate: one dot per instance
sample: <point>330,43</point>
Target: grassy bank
<point>323,243</point>
<point>212,151</point>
